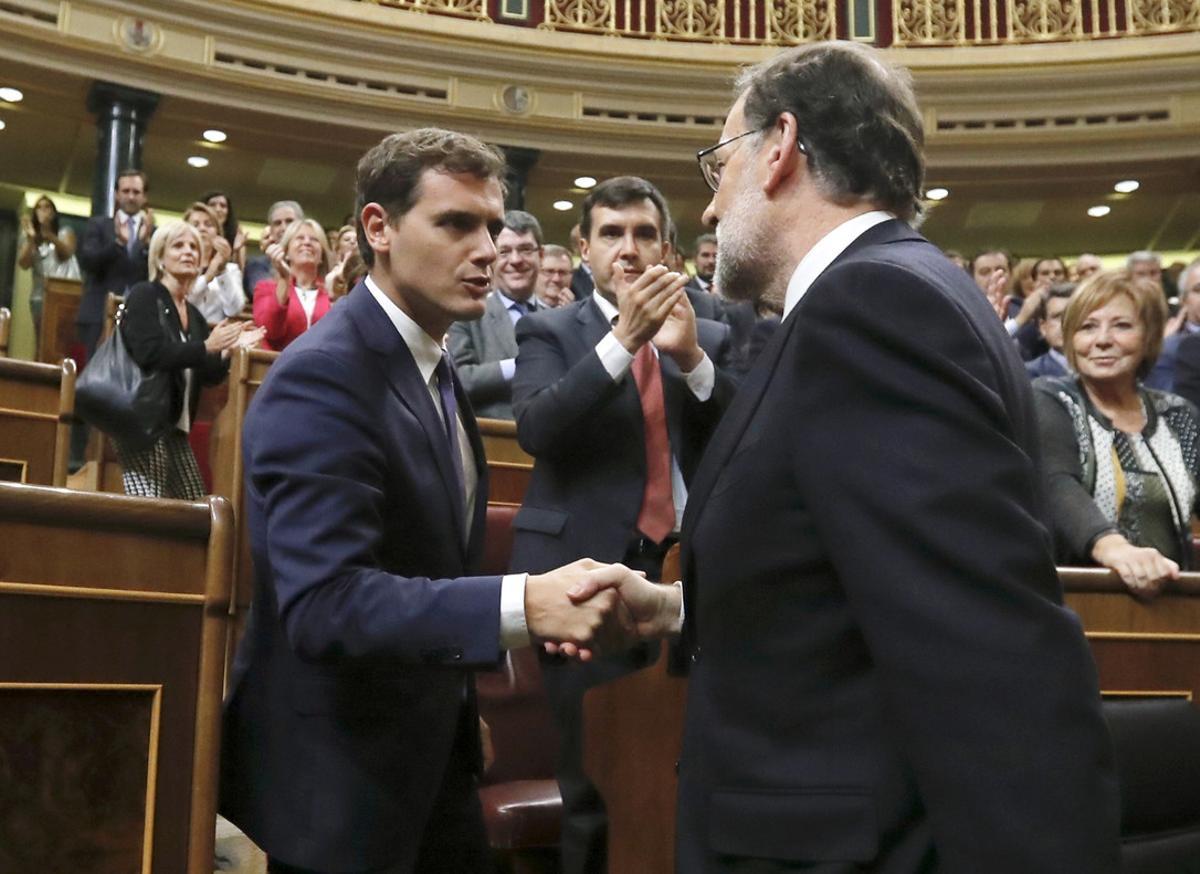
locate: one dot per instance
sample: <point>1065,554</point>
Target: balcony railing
<point>909,23</point>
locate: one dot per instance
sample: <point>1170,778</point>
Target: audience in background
<point>193,354</point>
<point>554,277</point>
<point>220,204</point>
<point>296,299</point>
<point>991,268</point>
<point>1052,362</point>
<point>582,284</point>
<point>217,292</point>
<point>706,263</point>
<point>1183,324</point>
<point>45,250</point>
<point>281,214</point>
<point>1145,265</point>
<point>1121,461</point>
<point>344,243</point>
<point>1086,265</point>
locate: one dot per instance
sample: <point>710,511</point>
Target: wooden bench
<point>59,308</point>
<point>5,330</point>
<point>112,634</point>
<point>247,370</point>
<point>36,405</point>
<point>509,466</point>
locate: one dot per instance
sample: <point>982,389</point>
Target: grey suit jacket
<point>478,347</point>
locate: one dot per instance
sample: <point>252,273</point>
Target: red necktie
<point>657,517</point>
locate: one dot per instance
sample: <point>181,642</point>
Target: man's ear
<point>375,221</point>
<point>583,251</point>
<point>783,155</point>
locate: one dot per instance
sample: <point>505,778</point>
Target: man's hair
<point>285,204</point>
<point>1141,256</point>
<point>553,250</point>
<point>1008,258</point>
<point>132,171</point>
<point>705,238</point>
<point>858,120</point>
<point>1193,268</point>
<point>520,222</point>
<point>1058,289</point>
<point>390,173</point>
<point>623,191</point>
<point>1100,289</point>
<point>1040,261</point>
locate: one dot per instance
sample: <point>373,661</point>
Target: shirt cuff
<point>1011,326</point>
<point>514,633</point>
<point>615,357</point>
<point>508,368</point>
<point>702,379</point>
<point>678,628</point>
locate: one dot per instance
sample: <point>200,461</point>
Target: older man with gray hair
<point>281,214</point>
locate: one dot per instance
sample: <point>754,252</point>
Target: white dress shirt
<point>826,251</point>
<point>427,352</point>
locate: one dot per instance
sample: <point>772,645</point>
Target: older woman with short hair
<point>291,304</point>
<point>163,332</point>
<point>1122,461</point>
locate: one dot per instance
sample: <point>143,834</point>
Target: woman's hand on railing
<point>1144,570</point>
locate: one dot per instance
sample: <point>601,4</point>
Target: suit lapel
<point>405,378</point>
<point>498,327</point>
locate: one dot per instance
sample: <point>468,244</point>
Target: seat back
<point>509,466</point>
<point>112,627</point>
<point>36,405</point>
<point>59,308</point>
<point>5,330</point>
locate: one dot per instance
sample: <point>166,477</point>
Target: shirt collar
<point>1055,355</point>
<point>826,251</point>
<point>125,217</point>
<point>509,302</point>
<point>426,351</point>
<point>607,310</point>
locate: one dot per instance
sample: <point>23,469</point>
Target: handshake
<point>587,607</point>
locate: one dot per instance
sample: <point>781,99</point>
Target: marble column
<point>121,117</point>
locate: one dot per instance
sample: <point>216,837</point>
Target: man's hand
<point>576,626</point>
<point>677,336</point>
<point>221,253</point>
<point>996,285</point>
<point>1030,307</point>
<point>122,232</point>
<point>653,608</point>
<point>147,227</point>
<point>644,303</point>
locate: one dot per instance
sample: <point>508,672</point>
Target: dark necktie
<point>657,517</point>
<point>450,419</point>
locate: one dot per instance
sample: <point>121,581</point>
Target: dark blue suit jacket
<point>107,266</point>
<point>585,433</point>
<point>1044,365</point>
<point>883,676</point>
<point>348,687</point>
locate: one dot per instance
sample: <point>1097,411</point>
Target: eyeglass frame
<point>704,153</point>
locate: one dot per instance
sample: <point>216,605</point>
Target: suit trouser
<point>455,839</point>
<point>585,821</point>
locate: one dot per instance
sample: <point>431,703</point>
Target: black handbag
<point>117,396</point>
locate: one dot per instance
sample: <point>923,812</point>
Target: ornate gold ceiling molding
<point>376,68</point>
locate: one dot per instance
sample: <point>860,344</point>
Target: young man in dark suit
<point>615,397</point>
<point>113,254</point>
<point>883,675</point>
<point>351,739</point>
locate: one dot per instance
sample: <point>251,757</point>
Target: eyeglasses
<point>527,250</point>
<point>711,166</point>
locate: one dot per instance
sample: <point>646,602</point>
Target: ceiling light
<point>215,136</point>
<point>585,182</point>
<point>1127,186</point>
<point>1099,211</point>
<point>937,193</point>
<point>197,162</point>
<point>2,124</point>
<point>563,205</point>
<point>11,95</point>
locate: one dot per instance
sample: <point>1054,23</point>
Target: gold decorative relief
<point>1164,15</point>
<point>929,22</point>
<point>587,15</point>
<point>1044,19</point>
<point>691,19</point>
<point>476,9</point>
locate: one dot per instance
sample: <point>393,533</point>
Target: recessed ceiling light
<point>1127,186</point>
<point>937,193</point>
<point>11,95</point>
<point>585,182</point>
<point>563,205</point>
<point>215,136</point>
<point>197,161</point>
<point>2,124</point>
<point>1099,211</point>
